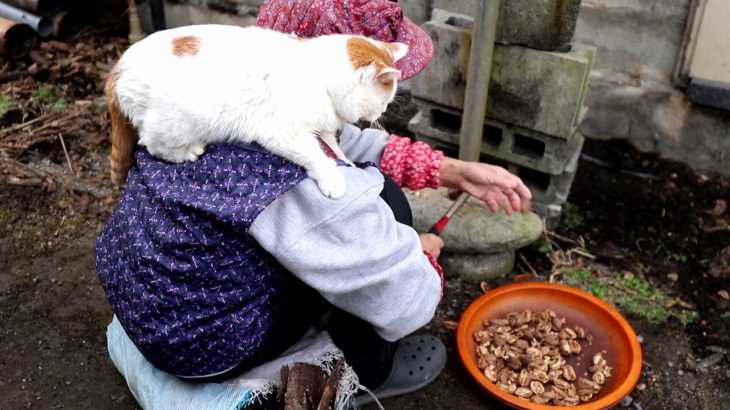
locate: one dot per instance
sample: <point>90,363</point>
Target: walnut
<point>523,392</point>
<point>540,376</point>
<point>504,376</point>
<point>491,374</point>
<point>587,384</point>
<point>568,333</point>
<point>557,364</point>
<point>522,344</point>
<point>525,354</point>
<point>537,387</point>
<point>552,339</point>
<point>575,347</point>
<point>483,337</point>
<point>599,378</point>
<point>569,373</point>
<point>525,317</point>
<point>598,360</point>
<point>585,397</point>
<point>525,378</point>
<point>565,347</point>
<point>561,384</point>
<point>509,388</point>
<point>534,354</point>
<point>514,363</point>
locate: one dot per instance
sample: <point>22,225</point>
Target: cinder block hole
<point>453,152</point>
<point>493,136</point>
<point>445,121</point>
<point>535,180</point>
<point>459,22</point>
<point>447,150</point>
<point>529,147</point>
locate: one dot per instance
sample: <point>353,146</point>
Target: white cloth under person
<point>155,389</point>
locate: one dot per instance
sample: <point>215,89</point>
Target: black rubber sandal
<point>418,360</point>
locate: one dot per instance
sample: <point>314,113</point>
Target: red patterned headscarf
<point>377,19</point>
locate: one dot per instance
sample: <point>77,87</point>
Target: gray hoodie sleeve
<point>363,145</point>
<point>353,252</point>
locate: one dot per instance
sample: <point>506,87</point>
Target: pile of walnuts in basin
<point>526,354</point>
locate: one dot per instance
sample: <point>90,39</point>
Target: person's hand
<point>494,185</point>
<point>432,244</point>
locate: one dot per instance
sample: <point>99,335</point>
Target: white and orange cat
<point>187,87</point>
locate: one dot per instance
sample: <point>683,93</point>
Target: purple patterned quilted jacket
<point>192,289</point>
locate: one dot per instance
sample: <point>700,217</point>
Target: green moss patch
<point>629,293</point>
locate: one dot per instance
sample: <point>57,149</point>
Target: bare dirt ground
<point>647,221</point>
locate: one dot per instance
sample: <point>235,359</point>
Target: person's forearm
<point>451,173</point>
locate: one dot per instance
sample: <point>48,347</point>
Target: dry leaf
<point>724,294</point>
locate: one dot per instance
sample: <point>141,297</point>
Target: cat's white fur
<point>250,85</point>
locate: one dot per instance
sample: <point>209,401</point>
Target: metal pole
<point>42,7</point>
<point>157,9</point>
<point>42,25</point>
<point>479,74</point>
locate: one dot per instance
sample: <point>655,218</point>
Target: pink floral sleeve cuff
<point>412,165</point>
<point>439,270</point>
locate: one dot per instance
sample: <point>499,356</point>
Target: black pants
<point>369,355</point>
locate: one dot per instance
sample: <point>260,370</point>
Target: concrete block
<point>539,90</point>
<point>656,117</point>
<point>545,188</point>
<point>515,145</point>
<point>184,13</point>
<point>419,11</point>
<point>551,214</point>
<point>478,267</point>
<point>474,228</point>
<point>540,24</point>
<point>630,34</point>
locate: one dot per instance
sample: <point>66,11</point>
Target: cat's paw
<point>332,185</point>
<point>194,151</point>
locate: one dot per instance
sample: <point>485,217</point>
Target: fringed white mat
<point>158,390</point>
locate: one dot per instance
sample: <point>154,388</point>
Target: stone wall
<point>631,94</point>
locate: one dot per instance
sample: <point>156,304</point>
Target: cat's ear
<point>397,50</point>
<point>387,75</point>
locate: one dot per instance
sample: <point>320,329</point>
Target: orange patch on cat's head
<point>363,53</point>
<point>185,46</point>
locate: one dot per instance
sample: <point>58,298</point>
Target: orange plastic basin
<point>611,332</point>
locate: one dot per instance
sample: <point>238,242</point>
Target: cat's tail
<point>124,136</point>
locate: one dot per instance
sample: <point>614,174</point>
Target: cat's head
<point>374,80</point>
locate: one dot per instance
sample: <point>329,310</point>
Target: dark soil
<point>636,212</point>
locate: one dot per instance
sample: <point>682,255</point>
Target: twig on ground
<point>25,124</point>
<point>37,174</point>
<point>582,253</point>
<point>63,219</point>
<point>65,152</point>
<point>56,122</point>
<point>524,260</point>
<point>15,75</point>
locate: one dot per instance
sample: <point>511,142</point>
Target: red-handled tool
<point>439,226</point>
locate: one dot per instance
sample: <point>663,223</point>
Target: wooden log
<point>304,386</point>
<point>329,393</point>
